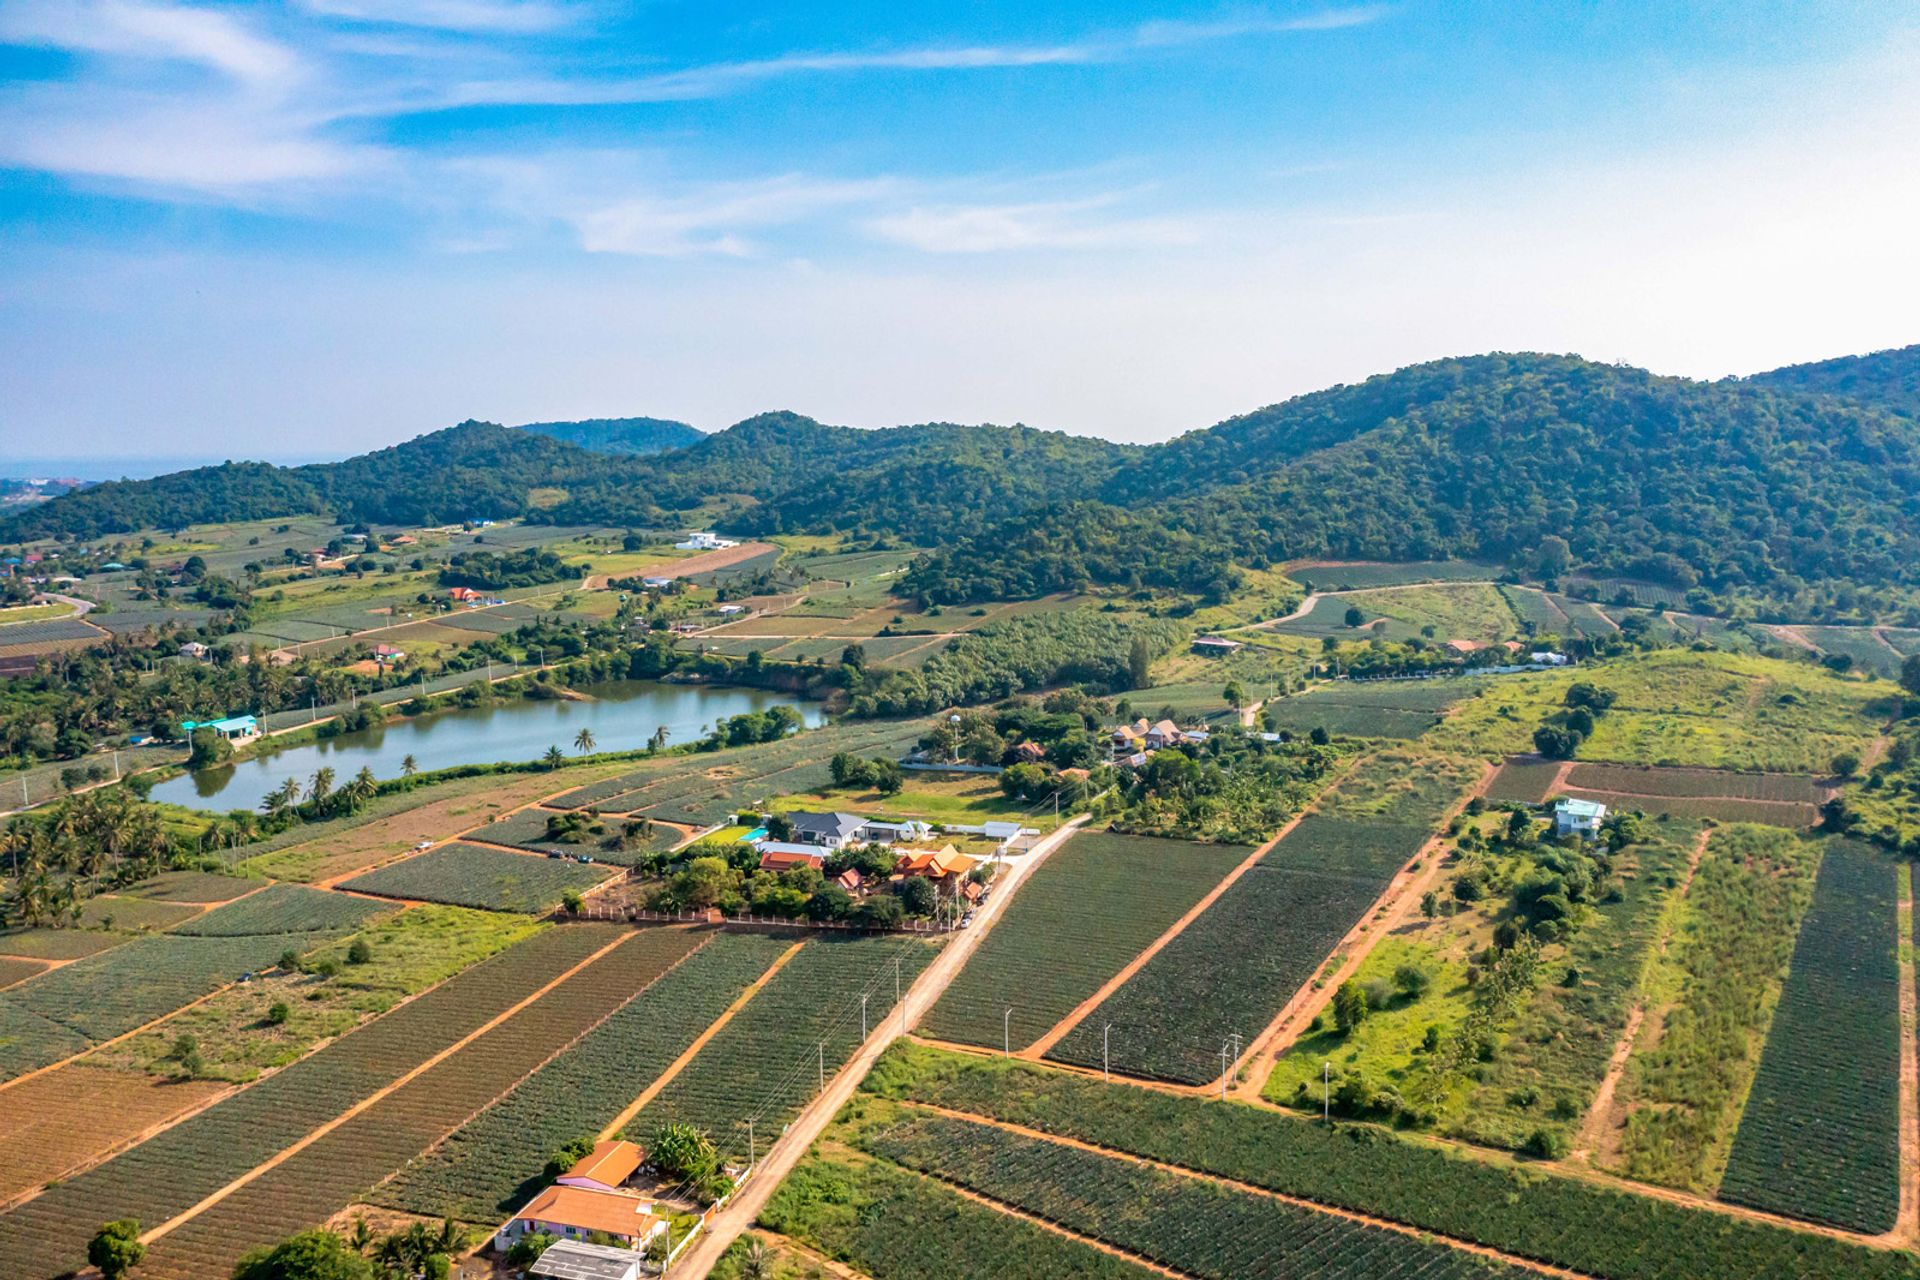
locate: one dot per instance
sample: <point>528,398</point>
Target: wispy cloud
<point>999,228</point>
<point>1252,23</point>
<point>509,17</point>
<point>211,38</point>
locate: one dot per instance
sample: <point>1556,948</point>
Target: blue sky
<point>305,229</point>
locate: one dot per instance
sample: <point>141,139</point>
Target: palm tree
<point>554,757</point>
<point>361,1237</point>
<point>322,786</point>
<point>583,742</point>
<point>755,1262</point>
<point>409,767</point>
<point>658,740</point>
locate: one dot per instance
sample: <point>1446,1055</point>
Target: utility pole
<point>863,1017</point>
<point>1223,1071</point>
<point>1006,1034</point>
<point>1106,1039</point>
<point>823,1066</point>
<point>1326,1091</point>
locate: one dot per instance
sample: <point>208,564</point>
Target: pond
<point>622,715</point>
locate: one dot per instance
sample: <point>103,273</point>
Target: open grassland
<point>238,1035</point>
<point>1357,575</point>
<point>1234,967</point>
<point>962,799</point>
<point>335,1170</point>
<point>1677,707</point>
<point>133,915</point>
<point>471,875</point>
<point>1571,1222</point>
<point>1093,905</point>
<point>1690,1070</point>
<point>177,1168</point>
<point>1372,708</point>
<point>895,1225</point>
<point>491,1164</point>
<point>1820,1137</point>
<point>109,994</point>
<point>705,788</point>
<point>53,1122</point>
<point>766,1062</point>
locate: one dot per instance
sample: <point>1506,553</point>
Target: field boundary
<point>1907,1220</point>
<point>385,1091</point>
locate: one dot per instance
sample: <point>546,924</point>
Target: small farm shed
<point>577,1260</point>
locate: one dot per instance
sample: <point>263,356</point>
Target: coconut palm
<point>322,785</point>
<point>659,739</point>
<point>583,742</point>
<point>554,757</point>
<point>409,766</point>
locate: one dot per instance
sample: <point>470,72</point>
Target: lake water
<point>622,715</point>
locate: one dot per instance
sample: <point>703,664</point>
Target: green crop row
<point>284,908</point>
<point>175,1169</point>
<point>1530,1212</point>
<point>1194,1226</point>
<point>471,875</point>
<point>490,1165</point>
<point>335,1170</point>
<point>1092,906</point>
<point>1820,1138</point>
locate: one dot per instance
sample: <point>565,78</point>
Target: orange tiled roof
<point>611,1162</point>
<point>590,1211</point>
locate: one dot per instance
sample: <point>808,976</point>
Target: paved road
<point>787,1150</point>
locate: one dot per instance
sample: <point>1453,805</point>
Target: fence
<point>640,915</point>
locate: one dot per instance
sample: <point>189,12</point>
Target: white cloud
<point>1175,31</point>
<point>153,31</point>
<point>992,228</point>
<point>507,17</point>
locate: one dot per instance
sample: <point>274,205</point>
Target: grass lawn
<point>36,612</point>
<point>412,950</point>
<point>967,799</point>
<point>1677,707</point>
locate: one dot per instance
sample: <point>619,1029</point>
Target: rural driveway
<point>791,1145</point>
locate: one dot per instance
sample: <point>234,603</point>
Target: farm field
<point>1780,788</point>
<point>236,1031</point>
<point>1328,617</point>
<point>1090,908</point>
<point>1863,646</point>
<point>1356,575</point>
<point>1231,970</point>
<point>192,886</point>
<point>280,909</point>
<point>960,799</point>
<point>1523,1211</point>
<point>1677,707</point>
<point>1526,779</point>
<point>471,875</point>
<point>488,1166</point>
<point>176,1168</point>
<point>897,1225</point>
<point>528,829</point>
<point>765,1063</point>
<point>706,788</point>
<point>326,1176</point>
<point>1679,1099</point>
<point>57,944</point>
<point>1781,799</point>
<point>1820,1136</point>
<point>44,1133</point>
<point>133,915</point>
<point>1196,1226</point>
<point>1372,708</point>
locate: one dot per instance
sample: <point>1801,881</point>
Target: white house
<point>704,541</point>
<point>1547,658</point>
<point>1578,817</point>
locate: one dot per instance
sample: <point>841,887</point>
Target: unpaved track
<point>787,1149</point>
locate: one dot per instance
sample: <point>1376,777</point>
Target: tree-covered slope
<point>1732,486</point>
<point>1889,379</point>
<point>230,491</point>
<point>627,436</point>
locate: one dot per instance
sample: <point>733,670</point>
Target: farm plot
<point>133,915</point>
<point>57,944</point>
<point>765,1063</point>
<point>178,1167</point>
<point>1530,1212</point>
<point>1371,709</point>
<point>332,1172</point>
<point>191,886</point>
<point>471,875</point>
<point>1231,970</point>
<point>489,1166</point>
<point>896,1225</point>
<point>1820,1135</point>
<point>1863,646</point>
<point>123,622</point>
<point>1328,617</point>
<point>1535,609</point>
<point>51,632</point>
<point>1093,905</point>
<point>55,1121</point>
<point>13,969</point>
<point>1626,591</point>
<point>529,830</point>
<point>109,994</point>
<point>1905,643</point>
<point>1195,1226</point>
<point>283,909</point>
<point>1528,781</point>
<point>1649,780</point>
<point>1684,1082</point>
<point>1361,574</point>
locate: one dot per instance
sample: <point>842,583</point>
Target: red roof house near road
<point>604,1168</point>
<point>784,857</point>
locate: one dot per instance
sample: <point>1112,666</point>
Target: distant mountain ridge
<point>1784,486</point>
<point>626,436</point>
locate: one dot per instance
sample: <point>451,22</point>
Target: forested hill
<point>1890,379</point>
<point>1724,485</point>
<point>634,436</point>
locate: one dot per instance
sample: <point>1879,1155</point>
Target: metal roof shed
<point>577,1260</point>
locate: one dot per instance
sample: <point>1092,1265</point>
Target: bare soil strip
<point>1907,1226</point>
<point>1379,920</point>
<point>1038,1049</point>
<point>378,1095</point>
<point>1248,1188</point>
<point>1599,1131</point>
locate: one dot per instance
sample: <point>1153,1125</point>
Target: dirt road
<point>791,1145</point>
